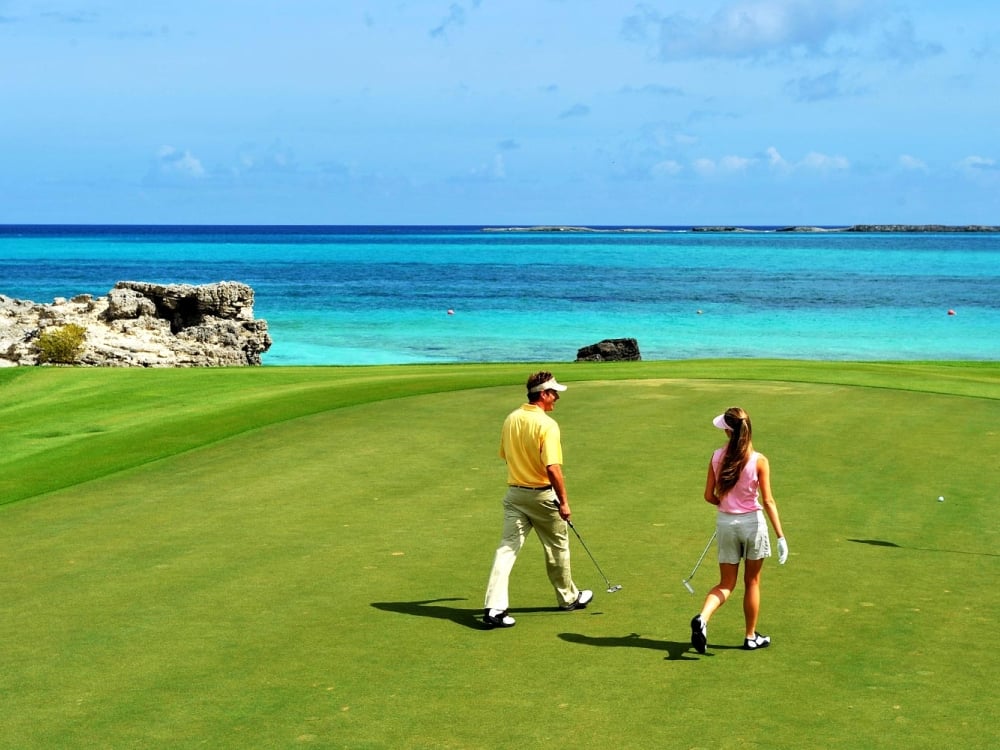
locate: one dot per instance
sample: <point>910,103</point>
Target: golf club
<point>612,588</point>
<point>687,581</point>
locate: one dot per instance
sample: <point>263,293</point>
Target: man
<point>536,499</point>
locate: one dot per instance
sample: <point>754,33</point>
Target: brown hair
<point>534,380</point>
<point>737,451</point>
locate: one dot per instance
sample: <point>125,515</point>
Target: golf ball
<point>941,499</point>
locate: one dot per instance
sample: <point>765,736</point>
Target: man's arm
<point>559,485</point>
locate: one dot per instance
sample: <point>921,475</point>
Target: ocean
<point>395,295</point>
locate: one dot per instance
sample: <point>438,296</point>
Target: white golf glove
<point>782,550</point>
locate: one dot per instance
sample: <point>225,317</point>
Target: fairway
<point>295,557</point>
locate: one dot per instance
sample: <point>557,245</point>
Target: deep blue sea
<point>380,295</point>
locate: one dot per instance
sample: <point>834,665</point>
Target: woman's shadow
<point>676,650</point>
<point>469,618</point>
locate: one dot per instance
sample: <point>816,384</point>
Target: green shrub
<point>61,346</point>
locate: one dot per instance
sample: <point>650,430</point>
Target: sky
<point>500,112</point>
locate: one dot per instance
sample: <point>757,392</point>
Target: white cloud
<point>725,165</point>
<point>824,163</point>
<point>736,163</point>
<point>776,160</point>
<point>704,167</point>
<point>814,161</point>
<point>758,29</point>
<point>274,159</point>
<point>913,163</point>
<point>666,168</point>
<point>980,169</point>
<point>174,162</point>
<point>973,163</point>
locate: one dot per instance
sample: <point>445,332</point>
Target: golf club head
<point>688,586</point>
<point>613,589</point>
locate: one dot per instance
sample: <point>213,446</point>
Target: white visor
<point>548,385</point>
<point>720,422</point>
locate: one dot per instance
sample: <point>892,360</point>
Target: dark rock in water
<point>610,350</point>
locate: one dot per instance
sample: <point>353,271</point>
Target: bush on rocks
<point>61,346</point>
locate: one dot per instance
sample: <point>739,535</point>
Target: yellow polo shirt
<point>529,441</point>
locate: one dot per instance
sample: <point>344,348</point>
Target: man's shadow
<point>469,618</point>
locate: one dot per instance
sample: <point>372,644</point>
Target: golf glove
<point>782,550</point>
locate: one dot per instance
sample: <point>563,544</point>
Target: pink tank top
<point>743,497</point>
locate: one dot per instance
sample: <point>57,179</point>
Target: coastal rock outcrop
<point>139,324</point>
<point>610,350</point>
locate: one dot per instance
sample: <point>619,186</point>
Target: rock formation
<point>144,325</point>
<point>610,350</point>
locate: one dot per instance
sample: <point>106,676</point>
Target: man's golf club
<point>612,588</point>
<point>687,581</point>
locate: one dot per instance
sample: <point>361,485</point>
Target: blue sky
<point>499,112</point>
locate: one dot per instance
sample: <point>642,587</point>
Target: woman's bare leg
<point>751,596</point>
<point>728,573</point>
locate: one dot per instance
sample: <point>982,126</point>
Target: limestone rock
<point>144,325</point>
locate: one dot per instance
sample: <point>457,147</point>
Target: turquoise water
<point>373,295</point>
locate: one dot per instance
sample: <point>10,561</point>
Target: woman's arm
<point>767,499</point>
<point>710,486</point>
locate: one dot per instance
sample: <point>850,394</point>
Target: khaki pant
<point>524,510</point>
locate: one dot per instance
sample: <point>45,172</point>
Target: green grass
<point>293,557</point>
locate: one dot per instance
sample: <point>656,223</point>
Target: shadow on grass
<point>883,543</point>
<point>676,650</point>
<point>470,618</point>
<point>874,542</point>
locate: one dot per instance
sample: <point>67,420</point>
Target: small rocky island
<point>863,228</point>
<point>140,324</point>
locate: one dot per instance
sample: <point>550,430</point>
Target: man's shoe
<point>758,641</point>
<point>497,620</point>
<point>699,634</point>
<point>582,600</point>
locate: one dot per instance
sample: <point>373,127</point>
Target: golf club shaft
<point>704,552</point>
<point>608,582</point>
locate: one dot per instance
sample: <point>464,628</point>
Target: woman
<point>735,475</point>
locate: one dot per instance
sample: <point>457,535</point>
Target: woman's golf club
<point>687,581</point>
<point>612,588</point>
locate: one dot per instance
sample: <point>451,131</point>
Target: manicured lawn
<point>294,557</point>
